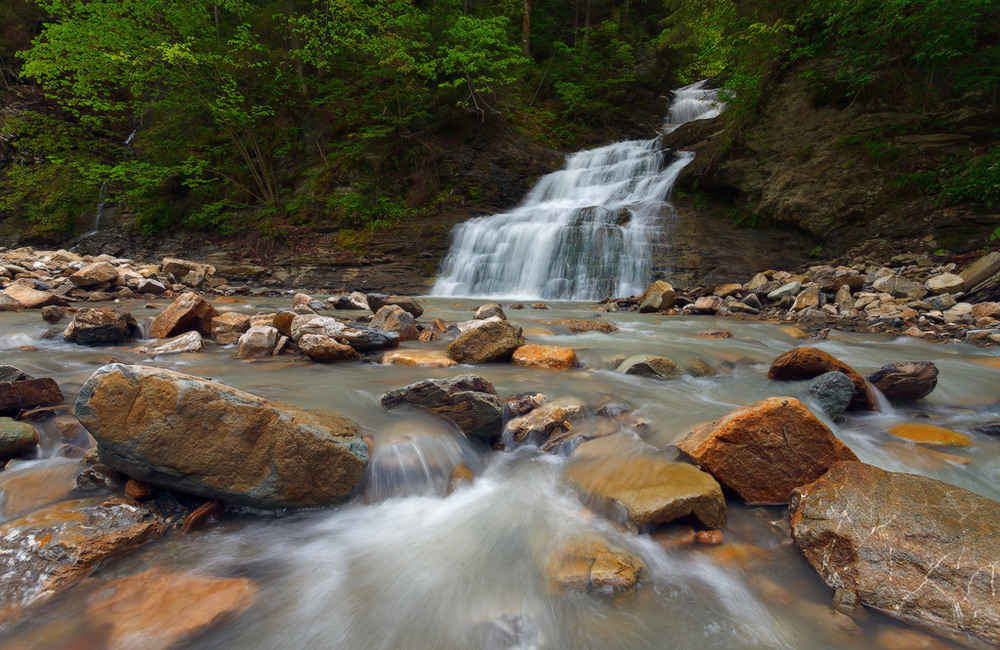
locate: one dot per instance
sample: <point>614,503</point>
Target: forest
<point>227,115</point>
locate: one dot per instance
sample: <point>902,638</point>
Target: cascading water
<point>583,232</point>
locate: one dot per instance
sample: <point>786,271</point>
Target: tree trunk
<point>526,28</point>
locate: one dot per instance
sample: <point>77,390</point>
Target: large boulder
<point>94,274</point>
<point>19,391</point>
<point>648,489</point>
<point>193,274</point>
<point>104,326</point>
<point>906,381</point>
<point>189,312</point>
<point>764,451</point>
<point>468,401</point>
<point>393,318</point>
<point>257,342</point>
<point>205,438</point>
<point>227,327</point>
<point>378,300</point>
<point>911,546</point>
<point>808,362</point>
<point>492,341</point>
<point>658,297</point>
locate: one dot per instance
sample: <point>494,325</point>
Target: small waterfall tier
<point>581,233</point>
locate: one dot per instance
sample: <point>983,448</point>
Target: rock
<point>807,362</point>
<point>490,310</point>
<point>257,342</point>
<point>16,438</point>
<point>493,341</point>
<point>979,310</point>
<point>45,552</point>
<point>763,451</point>
<point>149,285</point>
<point>957,312</point>
<point>227,327</point>
<point>649,490</point>
<point>553,357</point>
<point>163,608</point>
<point>137,490</point>
<point>905,382</point>
<point>323,348</point>
<point>788,290</point>
<point>361,339</point>
<point>589,563</point>
<point>518,405</point>
<point>205,438</point>
<point>660,296</point>
<point>104,326</point>
<point>192,274</point>
<point>468,401</point>
<point>942,302</point>
<point>944,283</point>
<point>540,423</point>
<point>580,326</point>
<point>188,312</point>
<point>23,293</point>
<point>833,391</point>
<point>355,301</point>
<point>843,300</point>
<point>707,305</point>
<point>307,303</point>
<point>981,270</point>
<point>930,434</point>
<point>8,303</point>
<point>756,284</point>
<point>94,274</point>
<point>189,342</point>
<point>393,318</point>
<point>650,365</point>
<point>204,515</point>
<point>420,358</point>
<point>27,393</point>
<point>899,287</point>
<point>377,300</point>
<point>923,550</point>
<point>53,314</point>
<point>808,298</point>
<point>728,289</point>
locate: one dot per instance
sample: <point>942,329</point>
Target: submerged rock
<point>650,365</point>
<point>911,546</point>
<point>905,382</point>
<point>591,563</point>
<point>193,435</point>
<point>764,451</point>
<point>468,401</point>
<point>577,326</point>
<point>421,358</point>
<point>807,362</point>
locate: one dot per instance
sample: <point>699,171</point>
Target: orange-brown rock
<point>188,312</point>
<point>460,474</point>
<point>491,341</point>
<point>227,327</point>
<point>709,537</point>
<point>590,563</point>
<point>48,550</point>
<point>23,293</point>
<point>930,434</point>
<point>807,362</point>
<point>94,274</point>
<point>137,490</point>
<point>162,608</point>
<point>764,451</point>
<point>553,357</point>
<point>197,436</point>
<point>28,392</point>
<point>421,358</point>
<point>578,326</point>
<point>204,515</point>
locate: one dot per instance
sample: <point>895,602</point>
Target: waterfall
<point>583,232</point>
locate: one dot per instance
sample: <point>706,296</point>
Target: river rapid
<point>403,566</point>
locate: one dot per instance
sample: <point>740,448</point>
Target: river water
<point>405,567</point>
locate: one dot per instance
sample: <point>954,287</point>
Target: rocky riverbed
<point>184,450</point>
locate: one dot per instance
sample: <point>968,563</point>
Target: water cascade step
<point>583,232</point>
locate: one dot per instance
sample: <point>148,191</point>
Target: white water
<point>586,231</point>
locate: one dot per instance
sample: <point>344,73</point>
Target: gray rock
<point>490,310</point>
<point>393,318</point>
<point>468,401</point>
<point>786,290</point>
<point>16,438</point>
<point>493,340</point>
<point>833,390</point>
<point>906,381</point>
<point>650,365</point>
<point>187,342</point>
<point>257,342</point>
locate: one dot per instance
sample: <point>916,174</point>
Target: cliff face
<point>847,174</point>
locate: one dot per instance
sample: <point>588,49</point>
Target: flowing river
<point>403,566</point>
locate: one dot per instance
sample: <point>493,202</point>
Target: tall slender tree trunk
<point>526,28</point>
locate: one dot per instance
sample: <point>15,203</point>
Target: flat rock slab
<point>914,547</point>
<point>193,435</point>
<point>591,563</point>
<point>763,451</point>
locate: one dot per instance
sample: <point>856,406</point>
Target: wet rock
<point>104,326</point>
<point>590,563</point>
<point>377,300</point>
<point>697,367</point>
<point>94,274</point>
<point>648,490</point>
<point>28,392</point>
<point>906,381</point>
<point>490,310</point>
<point>540,423</point>
<point>493,341</point>
<point>137,490</point>
<point>227,327</point>
<point>930,434</point>
<point>16,438</point>
<point>576,326</point>
<point>205,438</point>
<point>714,334</point>
<point>833,391</point>
<point>189,342</point>
<point>323,348</point>
<point>257,342</point>
<point>189,312</point>
<point>393,318</point>
<point>100,477</point>
<point>922,550</point>
<point>553,357</point>
<point>468,401</point>
<point>53,314</point>
<point>24,295</point>
<point>518,405</point>
<point>763,451</point>
<point>48,550</point>
<point>421,358</point>
<point>807,362</point>
<point>360,338</point>
<point>659,296</point>
<point>149,285</point>
<point>650,365</point>
<point>203,516</point>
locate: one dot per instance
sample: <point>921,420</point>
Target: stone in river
<point>763,451</point>
<point>659,296</point>
<point>163,608</point>
<point>48,550</point>
<point>576,326</point>
<point>393,318</point>
<point>591,563</point>
<point>104,326</point>
<point>23,293</point>
<point>808,362</point>
<point>257,342</point>
<point>94,274</point>
<point>492,341</point>
<point>468,401</point>
<point>189,342</point>
<point>489,310</point>
<point>323,348</point>
<point>204,438</point>
<point>16,438</point>
<point>539,423</point>
<point>227,327</point>
<point>911,546</point>
<point>188,312</point>
<point>833,390</point>
<point>650,365</point>
<point>930,434</point>
<point>421,358</point>
<point>377,300</point>
<point>553,357</point>
<point>906,381</point>
<point>18,391</point>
